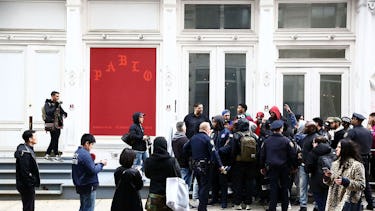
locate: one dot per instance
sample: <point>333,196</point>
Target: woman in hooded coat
<point>158,167</point>
<point>128,183</point>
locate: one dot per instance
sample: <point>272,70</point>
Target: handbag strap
<point>173,163</point>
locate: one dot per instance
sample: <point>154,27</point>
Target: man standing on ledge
<point>53,113</point>
<point>85,173</point>
<point>27,171</point>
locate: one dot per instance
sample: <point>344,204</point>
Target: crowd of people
<point>258,159</point>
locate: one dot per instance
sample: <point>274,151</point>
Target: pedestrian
<point>371,127</point>
<point>276,159</point>
<point>85,173</point>
<point>53,114</point>
<point>201,151</point>
<point>27,171</point>
<point>362,136</point>
<point>139,140</point>
<point>321,156</point>
<point>128,183</point>
<point>158,167</point>
<point>346,178</point>
<point>179,139</point>
<point>193,120</point>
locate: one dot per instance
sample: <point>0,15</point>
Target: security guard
<point>276,154</point>
<point>363,138</point>
<point>201,151</point>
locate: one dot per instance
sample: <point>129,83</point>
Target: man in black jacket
<point>55,114</point>
<point>27,172</point>
<point>138,139</point>
<point>193,120</point>
<point>179,139</point>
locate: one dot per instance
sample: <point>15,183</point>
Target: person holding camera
<point>53,115</point>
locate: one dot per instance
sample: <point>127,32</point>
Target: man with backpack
<point>244,148</point>
<point>276,156</point>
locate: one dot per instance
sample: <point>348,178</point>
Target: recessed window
<point>315,15</point>
<point>330,95</point>
<point>294,92</point>
<point>311,53</point>
<point>215,16</point>
<point>199,80</point>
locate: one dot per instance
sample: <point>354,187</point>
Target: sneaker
<point>194,203</point>
<point>224,205</point>
<point>369,207</point>
<point>248,207</point>
<point>47,157</point>
<point>58,158</point>
<point>238,207</point>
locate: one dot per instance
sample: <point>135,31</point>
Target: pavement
<point>100,205</point>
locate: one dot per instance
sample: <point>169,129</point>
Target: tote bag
<point>177,194</point>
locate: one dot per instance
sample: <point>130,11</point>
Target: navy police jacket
<point>277,150</point>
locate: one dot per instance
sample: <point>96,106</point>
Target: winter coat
<point>339,194</point>
<point>159,166</point>
<point>27,170</point>
<point>49,115</point>
<point>85,171</point>
<point>136,134</point>
<point>313,166</point>
<point>178,141</point>
<point>128,183</point>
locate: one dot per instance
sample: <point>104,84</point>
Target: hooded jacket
<point>221,138</point>
<point>85,171</point>
<point>48,113</point>
<point>27,170</point>
<point>159,166</point>
<point>178,141</point>
<point>136,134</point>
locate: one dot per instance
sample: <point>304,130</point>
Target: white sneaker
<point>238,207</point>
<point>248,207</point>
<point>47,157</point>
<point>58,158</point>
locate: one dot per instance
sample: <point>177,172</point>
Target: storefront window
<point>315,15</point>
<point>330,95</point>
<point>199,80</point>
<point>294,93</point>
<point>311,53</point>
<point>214,16</point>
<point>235,81</point>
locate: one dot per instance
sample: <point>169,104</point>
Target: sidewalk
<point>101,205</point>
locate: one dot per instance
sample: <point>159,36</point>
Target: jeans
<point>195,189</point>
<point>320,200</point>
<point>303,185</point>
<point>54,143</point>
<point>186,175</point>
<point>140,157</point>
<point>87,201</point>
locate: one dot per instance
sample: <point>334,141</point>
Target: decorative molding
<point>371,6</point>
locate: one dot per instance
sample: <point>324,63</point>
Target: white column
<point>265,88</point>
<point>73,96</point>
<point>167,108</point>
<point>363,74</point>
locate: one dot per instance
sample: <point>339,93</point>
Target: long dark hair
<point>349,149</point>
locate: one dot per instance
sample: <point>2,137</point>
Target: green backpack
<point>248,148</point>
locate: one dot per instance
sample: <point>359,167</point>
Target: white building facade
<point>315,55</point>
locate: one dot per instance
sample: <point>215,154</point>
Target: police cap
<point>277,124</point>
<point>358,116</point>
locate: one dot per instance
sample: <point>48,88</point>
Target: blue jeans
<point>303,185</point>
<point>186,175</point>
<point>87,201</point>
<point>195,189</point>
<point>140,157</point>
<point>320,200</point>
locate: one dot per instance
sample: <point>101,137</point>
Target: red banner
<point>122,81</point>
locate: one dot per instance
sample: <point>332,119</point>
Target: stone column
<point>73,80</point>
<point>362,81</point>
<point>266,56</point>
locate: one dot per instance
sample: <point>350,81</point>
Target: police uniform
<point>363,138</point>
<point>276,154</point>
<point>200,149</point>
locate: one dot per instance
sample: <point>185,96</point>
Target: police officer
<point>363,138</point>
<point>201,151</point>
<point>276,154</point>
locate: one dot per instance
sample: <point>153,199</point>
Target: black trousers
<point>201,172</point>
<point>366,162</point>
<point>279,183</point>
<point>54,144</point>
<point>219,182</point>
<point>243,182</point>
<point>28,199</point>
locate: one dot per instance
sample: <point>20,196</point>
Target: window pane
<point>311,53</point>
<point>294,93</point>
<point>199,80</point>
<point>330,15</point>
<point>202,16</point>
<point>237,16</point>
<point>235,81</point>
<point>330,95</point>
